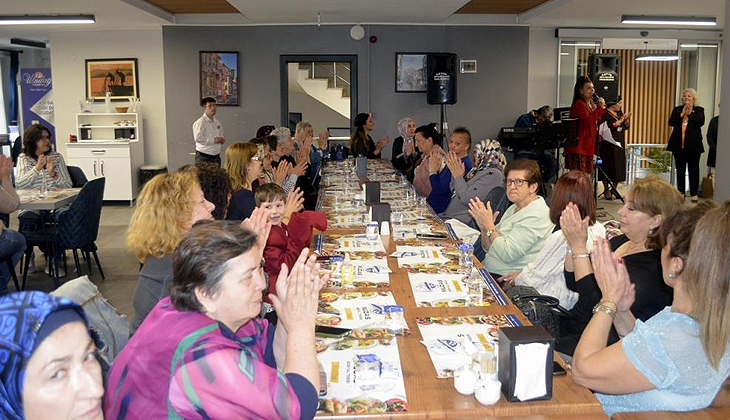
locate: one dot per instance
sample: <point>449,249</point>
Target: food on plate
<point>441,303</point>
<point>396,405</point>
<point>328,297</point>
<point>326,308</point>
<point>457,303</point>
<point>320,346</point>
<point>328,320</point>
<point>368,295</point>
<point>365,405</point>
<point>350,296</point>
<point>333,405</point>
<point>345,344</point>
<point>424,320</point>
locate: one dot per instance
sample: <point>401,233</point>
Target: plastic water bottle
<point>475,286</point>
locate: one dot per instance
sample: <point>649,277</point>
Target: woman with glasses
<point>517,239</point>
<point>243,164</point>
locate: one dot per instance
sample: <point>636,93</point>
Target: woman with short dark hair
<point>203,353</point>
<point>39,159</point>
<point>546,272</point>
<point>428,142</point>
<point>521,233</point>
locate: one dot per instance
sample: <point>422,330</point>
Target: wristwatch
<point>489,232</point>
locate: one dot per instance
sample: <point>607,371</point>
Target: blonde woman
<point>678,359</point>
<point>166,210</point>
<point>685,143</point>
<point>243,164</point>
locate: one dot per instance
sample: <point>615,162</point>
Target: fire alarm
<point>373,39</point>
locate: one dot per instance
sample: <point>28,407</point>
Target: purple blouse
<point>187,365</point>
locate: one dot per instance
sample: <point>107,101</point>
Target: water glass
<point>348,274</point>
<point>372,231</point>
<point>43,188</point>
<point>397,218</point>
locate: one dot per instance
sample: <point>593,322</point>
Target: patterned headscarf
<point>21,317</point>
<point>403,128</point>
<point>487,154</point>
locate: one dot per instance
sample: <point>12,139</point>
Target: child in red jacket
<point>291,231</point>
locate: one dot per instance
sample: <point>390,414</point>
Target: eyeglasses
<point>518,182</point>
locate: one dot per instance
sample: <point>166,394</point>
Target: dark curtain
<point>13,111</point>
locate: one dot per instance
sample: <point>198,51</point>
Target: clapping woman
<point>678,359</point>
<point>649,202</point>
<point>685,143</point>
<point>202,353</point>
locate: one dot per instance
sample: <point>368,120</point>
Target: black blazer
<point>693,135</point>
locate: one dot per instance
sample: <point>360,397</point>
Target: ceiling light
<point>668,20</point>
<point>46,19</point>
<point>698,45</point>
<point>657,57</point>
<point>579,44</point>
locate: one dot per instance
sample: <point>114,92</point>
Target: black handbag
<point>541,310</point>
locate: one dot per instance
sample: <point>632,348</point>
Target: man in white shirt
<point>208,134</point>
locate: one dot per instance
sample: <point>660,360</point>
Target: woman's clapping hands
<point>575,229</point>
<point>612,276</point>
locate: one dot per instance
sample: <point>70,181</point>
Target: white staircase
<point>318,89</point>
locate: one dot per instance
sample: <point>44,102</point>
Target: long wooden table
<point>430,397</point>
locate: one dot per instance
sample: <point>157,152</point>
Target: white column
<point>722,180</point>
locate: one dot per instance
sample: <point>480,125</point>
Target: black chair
<point>16,149</point>
<point>9,261</point>
<point>78,227</point>
<point>78,178</point>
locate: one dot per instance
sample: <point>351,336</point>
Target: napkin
<point>466,234</point>
<point>530,375</point>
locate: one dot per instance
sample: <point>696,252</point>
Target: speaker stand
<point>443,130</point>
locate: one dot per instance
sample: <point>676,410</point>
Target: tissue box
<point>380,212</point>
<point>372,192</point>
<point>526,372</point>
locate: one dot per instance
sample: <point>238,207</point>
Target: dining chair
<point>78,178</point>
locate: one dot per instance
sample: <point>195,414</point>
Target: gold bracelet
<point>579,256</point>
<point>606,309</point>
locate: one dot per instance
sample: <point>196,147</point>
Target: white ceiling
<point>122,14</point>
<point>607,13</point>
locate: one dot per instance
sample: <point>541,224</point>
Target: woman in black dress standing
<point>614,157</point>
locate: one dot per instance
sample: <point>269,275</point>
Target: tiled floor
<point>121,267</point>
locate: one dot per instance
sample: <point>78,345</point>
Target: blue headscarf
<point>21,317</point>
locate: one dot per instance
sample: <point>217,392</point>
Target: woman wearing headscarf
<point>48,365</point>
<point>405,155</point>
<point>478,182</point>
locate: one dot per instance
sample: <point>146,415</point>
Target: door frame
<point>284,61</point>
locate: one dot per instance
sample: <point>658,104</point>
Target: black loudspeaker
<point>441,78</point>
<point>603,69</point>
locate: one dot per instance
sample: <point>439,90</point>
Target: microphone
<point>595,97</point>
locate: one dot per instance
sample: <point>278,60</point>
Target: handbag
<point>541,310</point>
<point>708,187</point>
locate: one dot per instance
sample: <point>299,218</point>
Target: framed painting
<point>219,77</point>
<point>118,76</point>
<point>410,72</point>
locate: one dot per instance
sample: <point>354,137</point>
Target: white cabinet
<point>119,163</point>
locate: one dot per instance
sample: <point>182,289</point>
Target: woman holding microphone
<point>580,156</point>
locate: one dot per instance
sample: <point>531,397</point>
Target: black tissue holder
<point>509,338</point>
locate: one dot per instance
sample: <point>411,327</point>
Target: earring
<point>671,275</point>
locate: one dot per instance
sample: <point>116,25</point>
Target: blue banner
<point>36,91</point>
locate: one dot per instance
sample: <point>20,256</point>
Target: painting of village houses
<point>219,76</point>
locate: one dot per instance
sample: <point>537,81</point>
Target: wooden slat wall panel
<point>648,89</point>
